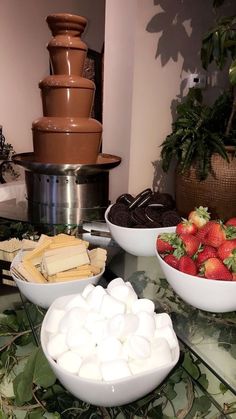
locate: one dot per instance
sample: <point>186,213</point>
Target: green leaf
<point>190,366</point>
<point>203,381</point>
<point>36,414</point>
<point>23,383</point>
<point>155,412</point>
<point>203,404</point>
<point>223,388</point>
<point>232,73</point>
<point>43,374</point>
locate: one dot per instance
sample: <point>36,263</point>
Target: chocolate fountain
<point>67,178</point>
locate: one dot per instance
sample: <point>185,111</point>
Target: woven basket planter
<point>217,191</point>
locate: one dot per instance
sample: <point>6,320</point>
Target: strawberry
<point>205,253</point>
<point>165,242</point>
<point>172,261</point>
<point>216,234</point>
<point>231,222</point>
<point>227,249</point>
<point>200,216</point>
<point>187,265</point>
<point>203,231</point>
<point>213,268</point>
<point>191,243</point>
<point>186,226</point>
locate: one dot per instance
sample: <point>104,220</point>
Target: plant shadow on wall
<point>200,131</point>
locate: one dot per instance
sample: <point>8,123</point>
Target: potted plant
<point>203,138</point>
<point>6,153</point>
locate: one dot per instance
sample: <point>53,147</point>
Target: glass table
<point>203,384</point>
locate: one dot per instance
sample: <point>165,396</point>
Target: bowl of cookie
<point>135,222</point>
<point>56,266</point>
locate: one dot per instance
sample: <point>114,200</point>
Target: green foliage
<point>219,44</point>
<point>197,133</point>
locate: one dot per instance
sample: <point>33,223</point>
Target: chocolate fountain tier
<point>67,96</point>
<point>67,51</point>
<point>66,140</point>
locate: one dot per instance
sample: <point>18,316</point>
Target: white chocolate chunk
<point>143,304</point>
<point>53,321</point>
<point>114,370</point>
<point>137,347</point>
<point>57,345</point>
<point>90,368</point>
<point>70,362</point>
<point>110,306</point>
<point>109,349</point>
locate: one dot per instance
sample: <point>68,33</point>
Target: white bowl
<point>43,295</point>
<point>136,241</point>
<point>216,296</point>
<point>100,393</point>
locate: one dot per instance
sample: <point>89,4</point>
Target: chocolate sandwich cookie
<point>163,198</point>
<point>138,216</point>
<point>122,218</point>
<point>115,208</point>
<point>154,213</point>
<point>170,218</point>
<point>141,199</point>
<point>125,198</point>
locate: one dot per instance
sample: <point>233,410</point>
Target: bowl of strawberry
<point>198,259</point>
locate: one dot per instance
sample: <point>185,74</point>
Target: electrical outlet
<point>197,80</point>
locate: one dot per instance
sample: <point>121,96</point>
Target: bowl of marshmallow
<point>107,346</point>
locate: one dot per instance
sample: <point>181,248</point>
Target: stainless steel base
<point>66,194</point>
<point>67,199</point>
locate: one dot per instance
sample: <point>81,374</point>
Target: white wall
<point>24,35</point>
<point>139,86</point>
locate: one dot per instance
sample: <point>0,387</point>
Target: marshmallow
<point>143,304</point>
<point>57,345</point>
<point>75,317</point>
<point>109,349</point>
<point>122,325</point>
<point>77,301</point>
<point>91,319</point>
<point>146,326</point>
<point>137,347</point>
<point>69,361</point>
<point>160,353</point>
<point>124,293</point>
<point>86,291</point>
<point>114,283</point>
<point>162,320</point>
<point>111,306</point>
<point>94,298</point>
<point>99,331</point>
<point>90,368</point>
<point>113,370</point>
<point>80,340</point>
<point>53,321</point>
<point>168,333</point>
<point>160,356</point>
